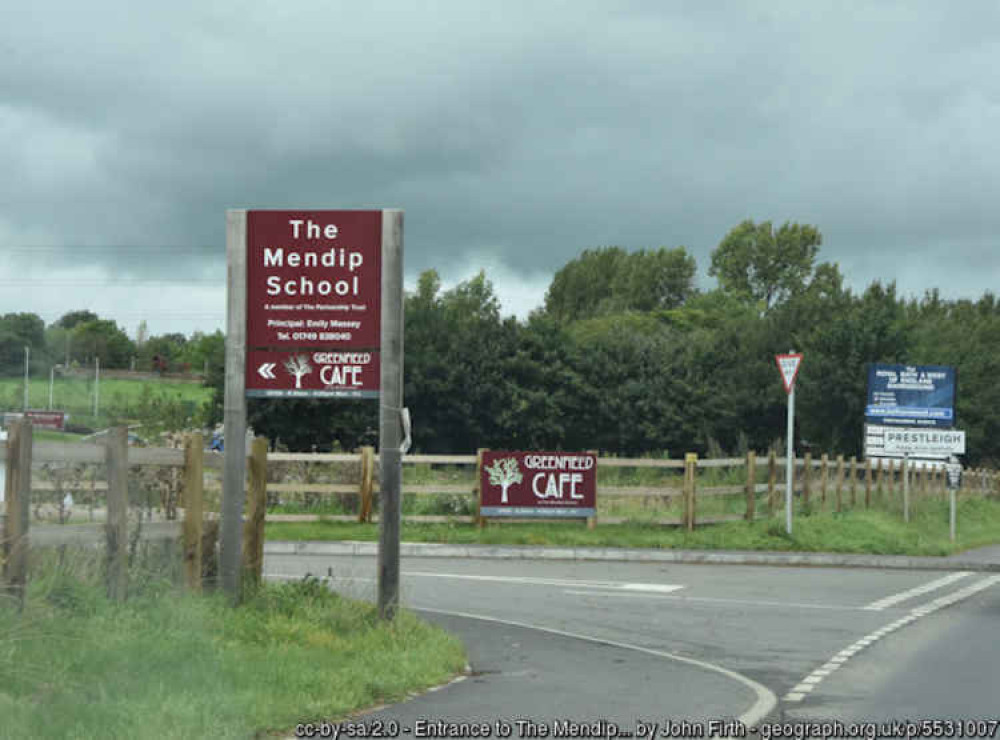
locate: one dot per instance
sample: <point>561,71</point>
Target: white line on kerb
<point>799,692</point>
<point>765,698</point>
<point>893,599</point>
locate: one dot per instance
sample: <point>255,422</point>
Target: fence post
<point>854,481</point>
<point>480,519</point>
<point>116,527</point>
<point>868,482</point>
<point>253,527</point>
<point>892,478</point>
<point>592,520</point>
<point>367,483</point>
<point>17,496</point>
<point>806,478</point>
<point>840,483</point>
<point>690,476</point>
<point>751,485</point>
<point>194,509</point>
<point>878,481</point>
<point>824,465</point>
<point>772,477</point>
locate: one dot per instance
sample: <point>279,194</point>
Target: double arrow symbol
<point>266,370</point>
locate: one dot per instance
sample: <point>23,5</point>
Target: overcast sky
<point>514,135</point>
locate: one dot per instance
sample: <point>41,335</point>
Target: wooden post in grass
<point>116,527</point>
<point>194,509</point>
<point>256,507</point>
<point>480,519</point>
<point>690,476</point>
<point>367,483</point>
<point>840,483</point>
<point>868,482</point>
<point>592,520</point>
<point>772,478</point>
<point>751,485</point>
<point>17,497</point>
<point>878,481</point>
<point>824,466</point>
<point>854,481</point>
<point>892,478</point>
<point>807,462</point>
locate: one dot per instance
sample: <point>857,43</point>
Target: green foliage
<point>611,280</point>
<point>766,266</point>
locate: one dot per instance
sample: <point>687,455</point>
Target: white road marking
<point>892,600</point>
<point>765,698</point>
<point>798,693</point>
<point>717,600</point>
<point>564,582</point>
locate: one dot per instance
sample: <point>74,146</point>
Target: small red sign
<point>545,484</point>
<point>312,374</point>
<point>47,419</point>
<point>314,278</point>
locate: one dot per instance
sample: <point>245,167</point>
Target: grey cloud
<point>521,131</point>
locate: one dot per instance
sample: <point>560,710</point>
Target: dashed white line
<point>892,600</point>
<point>799,692</point>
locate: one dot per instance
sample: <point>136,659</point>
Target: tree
<point>610,280</point>
<point>73,318</point>
<point>504,473</point>
<point>298,365</point>
<point>103,339</point>
<point>763,265</point>
<point>17,331</point>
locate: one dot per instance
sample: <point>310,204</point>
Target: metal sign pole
<point>390,413</point>
<point>235,408</point>
<point>789,461</point>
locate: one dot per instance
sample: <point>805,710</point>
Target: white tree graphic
<point>504,473</point>
<point>298,365</point>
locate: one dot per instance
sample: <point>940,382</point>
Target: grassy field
<point>857,531</point>
<point>119,399</point>
<point>169,665</point>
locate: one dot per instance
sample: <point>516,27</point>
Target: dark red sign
<point>547,484</point>
<point>312,373</point>
<point>47,419</point>
<point>314,278</point>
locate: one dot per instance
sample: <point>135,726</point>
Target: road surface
<point>698,641</point>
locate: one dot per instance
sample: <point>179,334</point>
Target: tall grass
<point>169,664</point>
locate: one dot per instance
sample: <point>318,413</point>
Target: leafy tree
<point>17,331</point>
<point>765,266</point>
<point>102,338</point>
<point>611,280</point>
<point>73,318</point>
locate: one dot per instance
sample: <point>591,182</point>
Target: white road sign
<point>935,442</point>
<point>789,367</point>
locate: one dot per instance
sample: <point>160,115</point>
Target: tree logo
<point>298,365</point>
<point>504,473</point>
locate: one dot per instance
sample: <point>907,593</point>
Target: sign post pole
<point>235,406</point>
<point>789,461</point>
<point>390,412</point>
<point>789,365</point>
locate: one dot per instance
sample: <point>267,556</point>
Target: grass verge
<point>170,665</point>
<point>857,531</point>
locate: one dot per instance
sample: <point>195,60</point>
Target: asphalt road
<point>828,644</point>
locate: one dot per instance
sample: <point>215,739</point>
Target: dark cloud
<point>514,134</point>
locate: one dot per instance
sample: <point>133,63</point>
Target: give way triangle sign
<point>789,367</point>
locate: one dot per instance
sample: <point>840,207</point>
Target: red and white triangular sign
<point>789,367</point>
